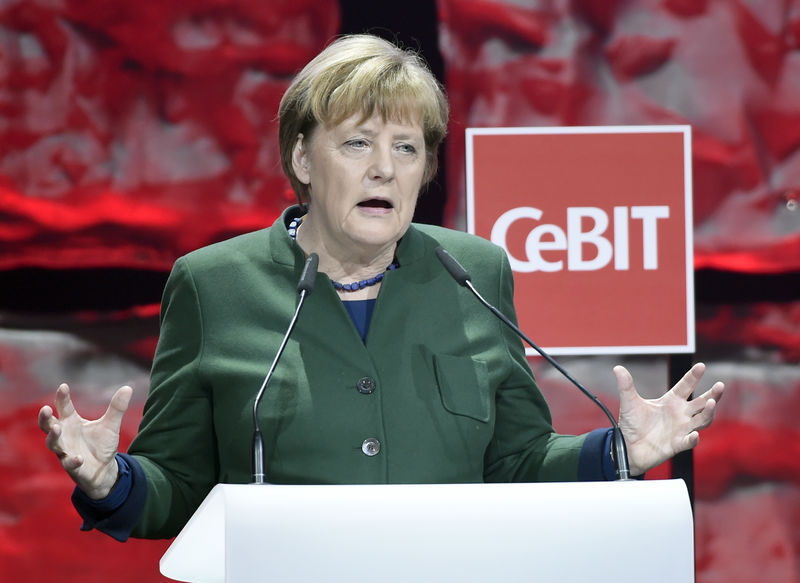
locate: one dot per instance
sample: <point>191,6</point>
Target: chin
<point>378,242</point>
<point>378,237</point>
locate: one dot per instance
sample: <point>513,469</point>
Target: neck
<point>345,263</point>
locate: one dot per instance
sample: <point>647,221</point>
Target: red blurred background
<point>131,133</point>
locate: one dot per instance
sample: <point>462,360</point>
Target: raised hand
<point>657,429</point>
<point>86,448</point>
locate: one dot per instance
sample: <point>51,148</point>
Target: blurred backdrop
<point>134,132</point>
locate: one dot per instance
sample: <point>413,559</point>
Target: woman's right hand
<point>86,449</point>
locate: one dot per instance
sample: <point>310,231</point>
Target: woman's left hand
<point>657,429</point>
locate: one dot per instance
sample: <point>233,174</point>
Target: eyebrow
<point>401,136</point>
<point>365,128</point>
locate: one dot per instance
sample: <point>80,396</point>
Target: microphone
<point>304,288</point>
<point>461,275</point>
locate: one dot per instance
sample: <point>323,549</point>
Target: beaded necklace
<point>355,286</point>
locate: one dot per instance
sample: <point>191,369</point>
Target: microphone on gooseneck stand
<point>461,275</point>
<point>304,287</point>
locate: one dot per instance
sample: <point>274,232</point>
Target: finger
<point>72,462</point>
<point>117,407</point>
<point>704,418</point>
<point>52,440</point>
<point>45,418</point>
<point>69,462</point>
<point>690,441</point>
<point>696,405</point>
<point>715,392</point>
<point>64,406</point>
<point>686,386</point>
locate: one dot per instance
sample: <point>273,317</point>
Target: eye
<point>406,148</point>
<point>357,144</point>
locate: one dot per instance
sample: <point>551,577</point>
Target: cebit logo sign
<point>574,240</point>
<point>596,224</point>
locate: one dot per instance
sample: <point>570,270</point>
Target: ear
<point>300,160</point>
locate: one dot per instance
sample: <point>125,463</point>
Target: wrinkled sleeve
<point>525,447</point>
<point>175,444</point>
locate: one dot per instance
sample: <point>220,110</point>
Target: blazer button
<point>366,385</point>
<point>371,446</point>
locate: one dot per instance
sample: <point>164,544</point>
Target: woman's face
<point>364,178</point>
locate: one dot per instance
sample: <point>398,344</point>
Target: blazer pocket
<point>463,385</point>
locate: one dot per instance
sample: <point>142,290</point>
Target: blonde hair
<point>362,74</point>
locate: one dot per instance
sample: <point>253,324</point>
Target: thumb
<point>625,385</point>
<point>117,407</point>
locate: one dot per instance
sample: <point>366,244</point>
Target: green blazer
<point>447,394</point>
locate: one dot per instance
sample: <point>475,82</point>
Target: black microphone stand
<point>304,287</point>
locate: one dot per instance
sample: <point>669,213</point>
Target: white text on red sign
<point>574,240</point>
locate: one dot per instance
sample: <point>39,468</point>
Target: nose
<point>381,166</point>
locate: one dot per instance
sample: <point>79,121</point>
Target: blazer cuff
<point>116,514</point>
<point>594,461</point>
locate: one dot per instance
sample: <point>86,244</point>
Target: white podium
<point>562,532</point>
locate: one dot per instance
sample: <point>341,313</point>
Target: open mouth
<point>375,203</point>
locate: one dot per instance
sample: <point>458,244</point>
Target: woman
<point>393,374</point>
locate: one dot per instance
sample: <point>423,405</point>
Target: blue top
<point>361,313</point>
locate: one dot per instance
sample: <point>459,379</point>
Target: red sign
<point>597,225</point>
